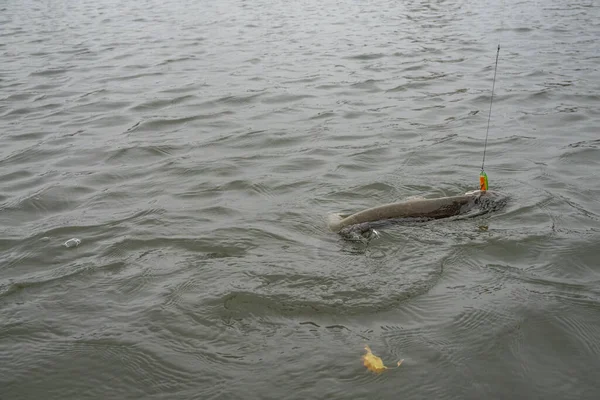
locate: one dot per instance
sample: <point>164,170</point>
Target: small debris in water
<point>74,242</point>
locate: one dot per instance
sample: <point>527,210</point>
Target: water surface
<point>196,148</point>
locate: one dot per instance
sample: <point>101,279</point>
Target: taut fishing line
<point>483,179</point>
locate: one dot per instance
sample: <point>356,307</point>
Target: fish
<point>417,209</point>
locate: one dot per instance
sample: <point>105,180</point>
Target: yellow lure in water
<point>374,363</point>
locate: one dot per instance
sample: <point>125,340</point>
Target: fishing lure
<point>483,181</point>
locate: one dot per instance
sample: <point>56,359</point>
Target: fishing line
<point>483,180</point>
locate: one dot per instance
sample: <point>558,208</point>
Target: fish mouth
<point>483,202</point>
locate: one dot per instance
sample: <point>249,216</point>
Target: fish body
<point>416,209</point>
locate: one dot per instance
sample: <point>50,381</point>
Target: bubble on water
<point>74,242</point>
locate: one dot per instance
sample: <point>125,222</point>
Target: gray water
<point>196,148</point>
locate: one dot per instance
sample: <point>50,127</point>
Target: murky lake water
<point>195,149</point>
